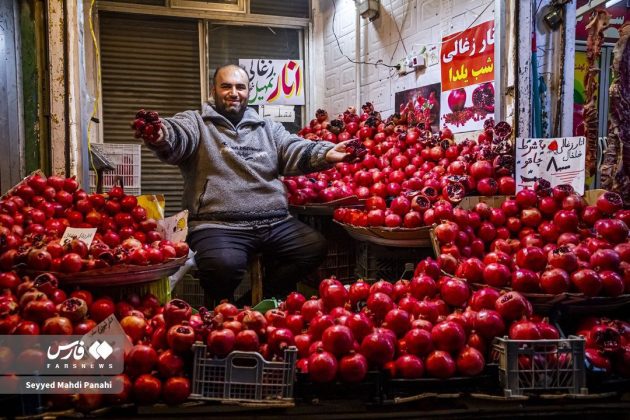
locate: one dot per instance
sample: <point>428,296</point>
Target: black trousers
<point>290,249</point>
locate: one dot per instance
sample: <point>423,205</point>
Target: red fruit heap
<point>404,162</point>
<point>35,214</point>
<point>431,326</point>
<point>547,242</point>
<point>147,125</point>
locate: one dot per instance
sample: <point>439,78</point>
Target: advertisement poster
<point>467,71</point>
<point>423,97</point>
<point>277,82</point>
<point>557,160</point>
<point>579,92</point>
<point>618,14</point>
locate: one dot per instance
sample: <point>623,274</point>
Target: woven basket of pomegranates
<point>419,237</point>
<point>325,209</point>
<point>117,275</point>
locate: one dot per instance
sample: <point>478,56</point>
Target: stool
<point>255,270</point>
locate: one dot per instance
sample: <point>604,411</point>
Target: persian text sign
<point>277,82</point>
<point>557,160</point>
<point>467,58</point>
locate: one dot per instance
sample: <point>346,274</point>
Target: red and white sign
<point>467,70</point>
<point>557,160</point>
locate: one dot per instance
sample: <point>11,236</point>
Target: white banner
<point>277,82</point>
<point>558,160</point>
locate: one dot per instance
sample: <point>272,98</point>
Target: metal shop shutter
<point>228,43</point>
<point>151,63</point>
<point>293,8</point>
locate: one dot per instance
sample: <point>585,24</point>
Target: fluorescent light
<point>610,3</point>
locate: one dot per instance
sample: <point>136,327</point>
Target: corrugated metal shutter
<point>293,8</point>
<point>149,2</point>
<point>226,44</point>
<point>151,63</point>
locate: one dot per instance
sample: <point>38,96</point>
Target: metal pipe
<point>357,59</point>
<point>499,60</point>
<point>566,98</point>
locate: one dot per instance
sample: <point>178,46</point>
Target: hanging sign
<point>467,70</point>
<point>277,82</point>
<point>557,160</point>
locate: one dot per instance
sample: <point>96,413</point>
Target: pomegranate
<point>448,336</point>
<point>483,97</point>
<point>140,359</point>
<point>587,281</point>
<point>337,340</point>
<point>221,342</point>
<point>470,361</point>
<point>134,326</point>
<point>457,99</point>
<point>322,366</point>
<point>180,338</point>
<point>409,366</point>
<point>176,311</point>
<point>176,390</point>
<point>440,364</point>
<point>353,367</point>
<point>513,305</point>
<point>609,202</point>
<point>418,342</point>
<point>147,389</point>
<point>377,348</point>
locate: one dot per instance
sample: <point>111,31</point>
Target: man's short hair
<point>214,76</point>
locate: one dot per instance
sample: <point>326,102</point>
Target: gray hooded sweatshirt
<point>231,174</point>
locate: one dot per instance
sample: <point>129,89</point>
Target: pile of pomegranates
<point>430,326</point>
<point>36,212</point>
<point>407,171</point>
<point>155,367</point>
<point>545,241</point>
<point>607,345</point>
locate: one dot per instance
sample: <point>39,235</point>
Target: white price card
<point>558,160</point>
<point>84,234</point>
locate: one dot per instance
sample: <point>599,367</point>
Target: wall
<point>11,116</point>
<point>421,23</point>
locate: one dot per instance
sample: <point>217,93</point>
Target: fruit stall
<point>457,282</point>
<point>484,296</point>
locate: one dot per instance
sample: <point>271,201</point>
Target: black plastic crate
<point>400,390</point>
<point>189,289</point>
<point>368,390</point>
<point>376,262</point>
<point>340,259</point>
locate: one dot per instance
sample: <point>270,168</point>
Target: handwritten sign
<point>280,113</point>
<point>278,82</point>
<point>110,327</point>
<point>175,227</point>
<point>467,57</point>
<point>558,160</point>
<point>85,235</point>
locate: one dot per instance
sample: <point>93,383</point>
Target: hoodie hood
<point>250,117</point>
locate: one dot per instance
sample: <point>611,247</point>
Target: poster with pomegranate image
<point>423,99</point>
<point>467,70</point>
